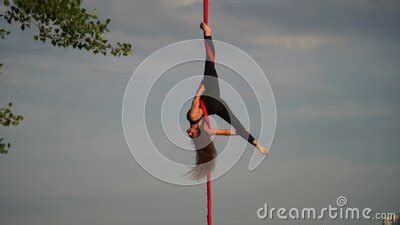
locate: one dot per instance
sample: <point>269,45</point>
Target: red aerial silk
<point>205,11</point>
<point>209,188</point>
<point>210,55</point>
<point>203,107</point>
<point>209,199</point>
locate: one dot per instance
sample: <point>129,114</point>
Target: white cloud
<point>340,110</point>
<point>181,3</point>
<point>296,41</point>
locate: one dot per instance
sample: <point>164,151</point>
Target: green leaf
<point>6,123</point>
<point>65,23</point>
<point>3,150</point>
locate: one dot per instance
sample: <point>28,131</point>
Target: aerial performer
<point>207,101</point>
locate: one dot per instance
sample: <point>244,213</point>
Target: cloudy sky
<point>333,67</point>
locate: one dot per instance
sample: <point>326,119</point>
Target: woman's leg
<point>210,79</point>
<point>226,113</point>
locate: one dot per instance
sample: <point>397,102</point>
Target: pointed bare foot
<point>207,30</point>
<point>263,150</point>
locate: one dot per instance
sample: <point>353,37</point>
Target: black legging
<point>211,95</point>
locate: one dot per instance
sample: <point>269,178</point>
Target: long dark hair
<point>205,155</point>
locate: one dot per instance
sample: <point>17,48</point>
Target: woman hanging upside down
<point>209,93</point>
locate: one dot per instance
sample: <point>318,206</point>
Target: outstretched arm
<point>223,132</point>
